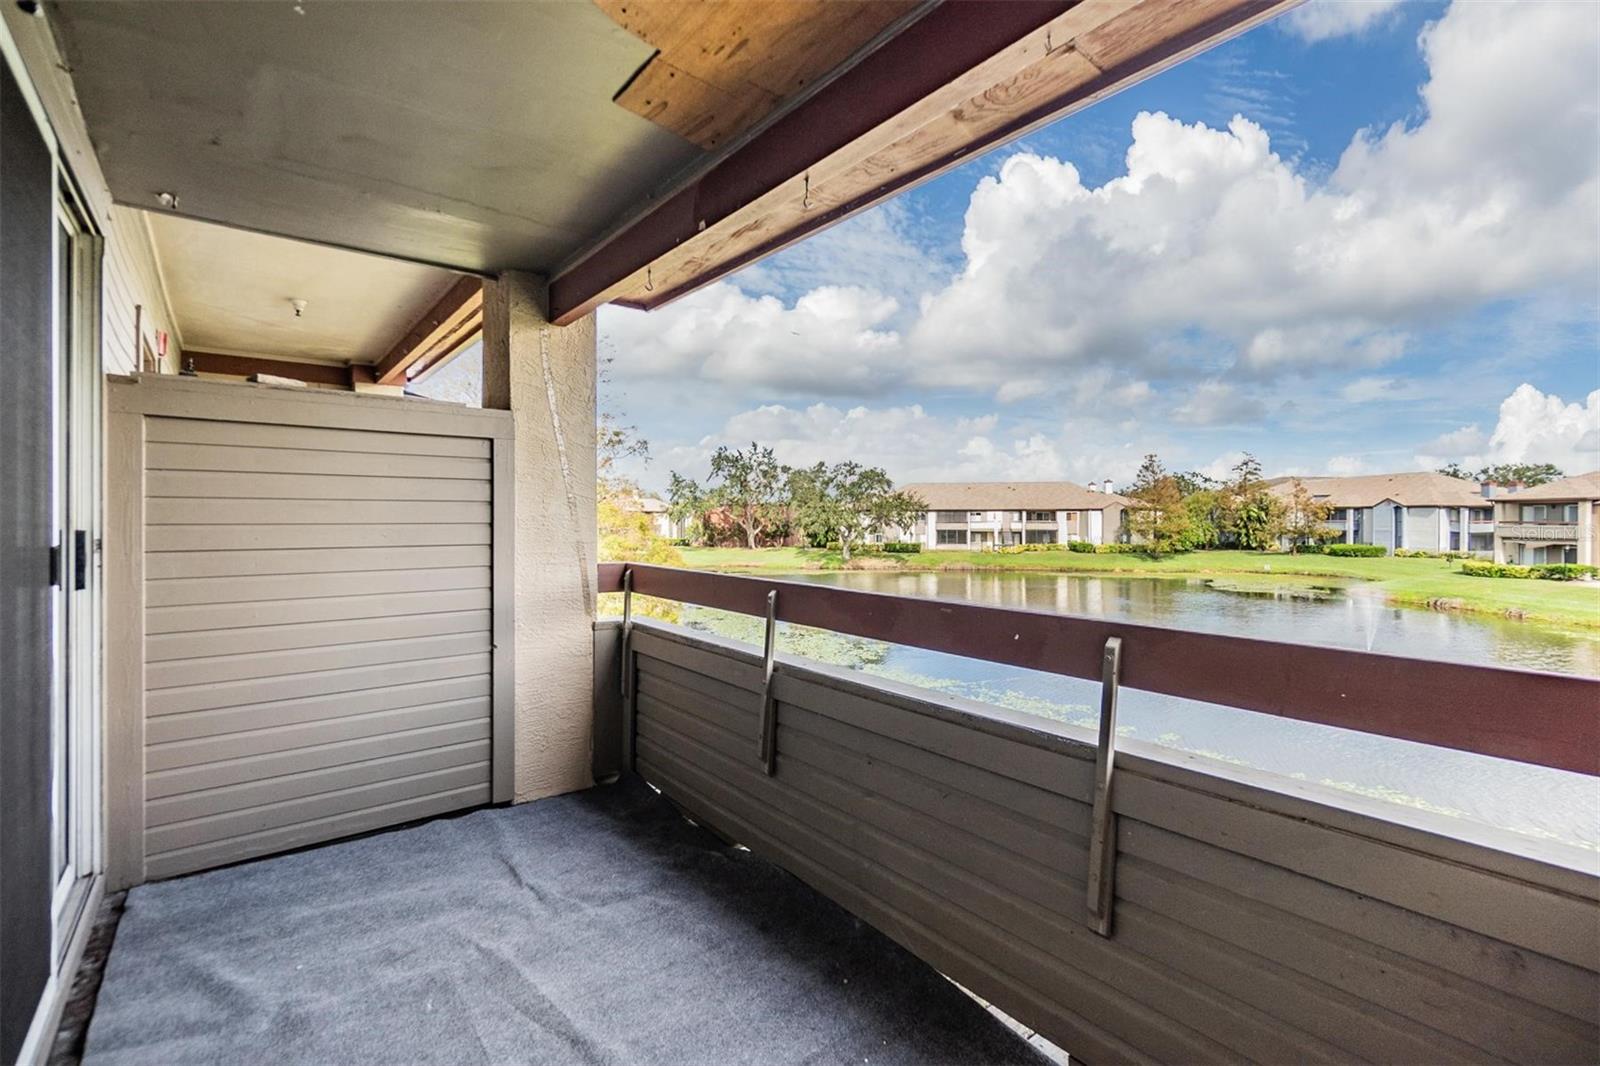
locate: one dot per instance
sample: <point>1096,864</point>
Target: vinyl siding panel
<point>1250,924</point>
<point>318,633</point>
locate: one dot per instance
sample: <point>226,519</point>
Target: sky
<point>1362,238</point>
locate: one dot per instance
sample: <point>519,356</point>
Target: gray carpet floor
<point>592,928</point>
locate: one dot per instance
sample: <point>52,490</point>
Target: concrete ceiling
<point>231,292</point>
<point>475,135</point>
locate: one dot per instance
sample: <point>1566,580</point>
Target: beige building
<point>1554,523</point>
<point>1416,511</point>
<point>984,515</point>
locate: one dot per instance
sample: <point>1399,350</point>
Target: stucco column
<point>1585,533</point>
<point>545,376</point>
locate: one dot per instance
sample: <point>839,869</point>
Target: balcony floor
<point>596,927</point>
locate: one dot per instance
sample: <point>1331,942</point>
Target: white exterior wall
<point>1096,527</point>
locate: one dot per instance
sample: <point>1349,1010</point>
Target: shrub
<point>1117,549</point>
<point>902,547</point>
<point>833,546</point>
<point>1363,551</point>
<point>1564,571</point>
<point>1080,546</point>
<point>1480,568</point>
<point>1546,571</point>
<point>678,542</point>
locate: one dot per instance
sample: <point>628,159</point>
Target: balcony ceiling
<point>477,136</point>
<point>231,291</point>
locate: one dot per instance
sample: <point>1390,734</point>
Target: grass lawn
<point>1415,582</point>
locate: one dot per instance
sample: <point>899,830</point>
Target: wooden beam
<point>245,365</point>
<point>447,324</point>
<point>960,80</point>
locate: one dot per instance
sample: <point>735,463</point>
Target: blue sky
<point>1362,238</point>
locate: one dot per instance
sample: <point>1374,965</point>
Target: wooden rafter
<point>446,326</point>
<point>959,80</point>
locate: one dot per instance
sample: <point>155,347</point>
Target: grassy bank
<point>1436,583</point>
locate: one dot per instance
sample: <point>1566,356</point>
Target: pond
<point>1537,803</point>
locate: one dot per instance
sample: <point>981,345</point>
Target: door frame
<point>75,486</point>
<point>78,418</point>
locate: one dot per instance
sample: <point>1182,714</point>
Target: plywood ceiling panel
<point>723,65</point>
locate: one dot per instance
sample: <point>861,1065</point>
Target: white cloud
<point>1492,195</point>
<point>1346,465</point>
<point>1216,403</point>
<point>1321,20</point>
<point>915,445</point>
<point>1210,253</point>
<point>1533,427</point>
<point>832,341</point>
<point>1367,389</point>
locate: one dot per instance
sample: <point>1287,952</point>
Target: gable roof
<point>1416,489</point>
<point>1014,496</point>
<point>1576,487</point>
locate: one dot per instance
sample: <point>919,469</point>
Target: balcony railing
<point>1539,530</point>
<point>1177,909</point>
<point>1450,705</point>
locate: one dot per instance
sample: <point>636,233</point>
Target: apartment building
<point>984,515</point>
<point>1418,511</point>
<point>1554,523</point>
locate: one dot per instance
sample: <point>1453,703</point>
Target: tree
<point>751,486</point>
<point>1251,517</point>
<point>847,501</point>
<point>686,504</point>
<point>1193,481</point>
<point>1529,474</point>
<point>1455,470</point>
<point>1159,521</point>
<point>1203,506</point>
<point>1305,518</point>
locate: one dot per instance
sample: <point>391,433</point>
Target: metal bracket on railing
<point>769,706</point>
<point>1103,832</point>
<point>629,712</point>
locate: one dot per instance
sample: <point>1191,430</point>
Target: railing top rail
<point>1528,716</point>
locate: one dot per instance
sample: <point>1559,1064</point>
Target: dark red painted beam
<point>933,51</point>
<point>245,365</point>
<point>1547,719</point>
<point>917,63</point>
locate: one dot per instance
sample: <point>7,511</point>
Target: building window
<point>975,516</point>
<point>952,536</point>
<point>1569,513</point>
<point>950,517</point>
<point>1535,512</point>
<point>1338,514</point>
<point>1041,516</point>
<point>1041,536</point>
<point>1483,514</point>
